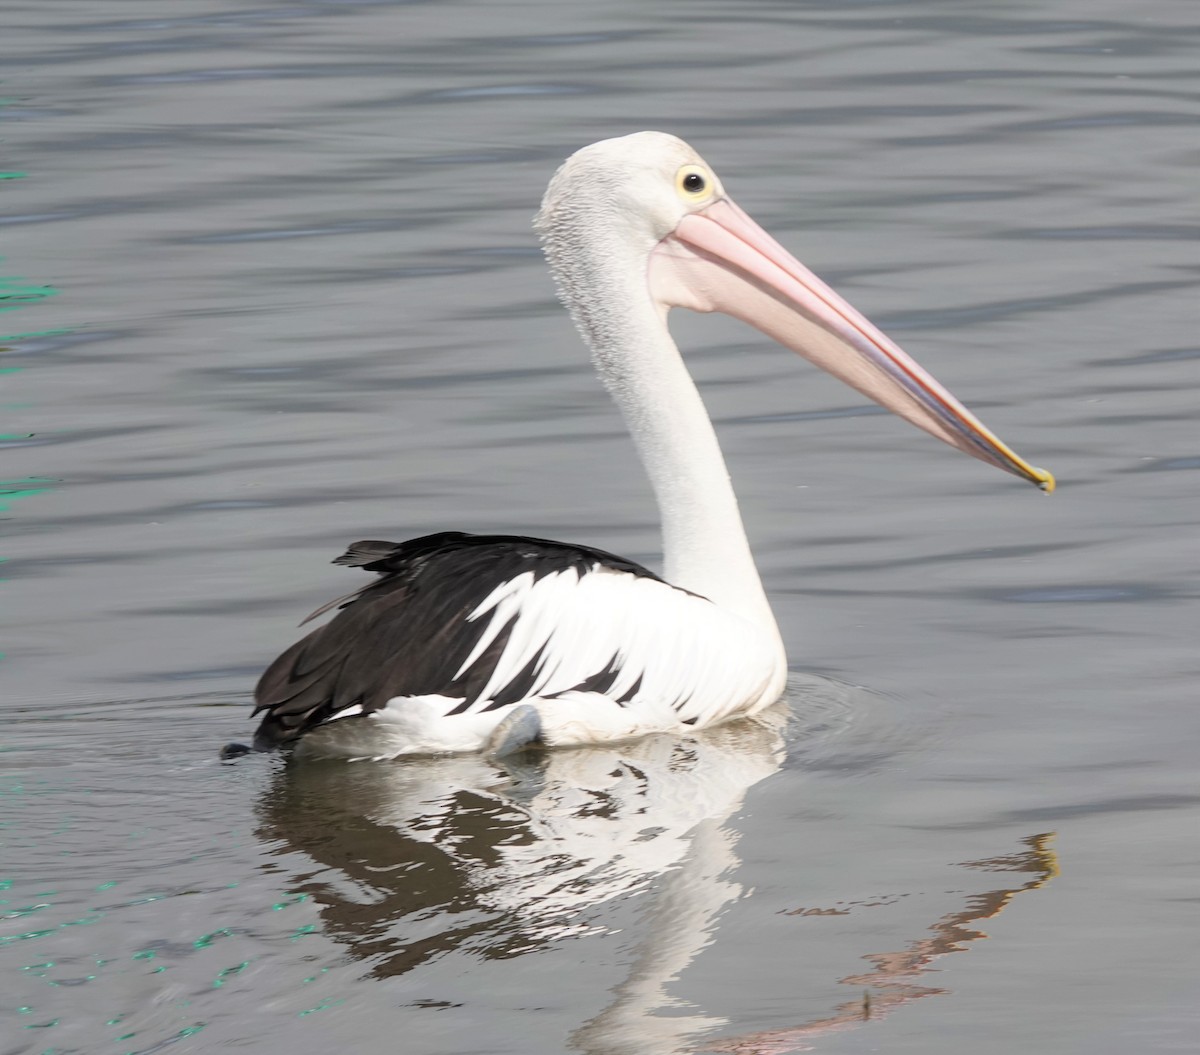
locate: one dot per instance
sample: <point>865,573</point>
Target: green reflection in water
<point>7,938</point>
<point>16,292</point>
<point>28,910</point>
<point>229,972</point>
<point>324,1005</point>
<point>205,940</point>
<point>291,899</point>
<point>39,970</point>
<point>14,490</point>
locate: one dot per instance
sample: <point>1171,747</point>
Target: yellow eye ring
<point>692,183</point>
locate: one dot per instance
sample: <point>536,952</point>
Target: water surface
<point>276,290</point>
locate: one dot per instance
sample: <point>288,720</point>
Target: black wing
<point>407,633</point>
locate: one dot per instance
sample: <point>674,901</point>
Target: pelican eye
<point>692,183</point>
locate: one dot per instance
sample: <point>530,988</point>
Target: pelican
<point>492,642</point>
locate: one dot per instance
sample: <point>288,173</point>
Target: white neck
<point>705,549</point>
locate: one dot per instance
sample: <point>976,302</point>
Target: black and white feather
<point>459,629</point>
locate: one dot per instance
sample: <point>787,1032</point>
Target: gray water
<point>278,291</point>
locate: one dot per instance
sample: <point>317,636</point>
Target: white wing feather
<point>677,649</point>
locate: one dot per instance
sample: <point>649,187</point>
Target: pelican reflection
<point>509,857</point>
<point>420,859</point>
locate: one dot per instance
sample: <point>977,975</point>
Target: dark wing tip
<point>367,552</point>
<point>337,602</point>
<point>387,558</point>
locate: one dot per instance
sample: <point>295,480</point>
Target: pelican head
<point>643,221</point>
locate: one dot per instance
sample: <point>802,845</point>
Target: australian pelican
<point>490,642</point>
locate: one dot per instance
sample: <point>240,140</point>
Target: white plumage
<point>668,645</point>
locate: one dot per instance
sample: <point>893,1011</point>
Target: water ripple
<point>499,91</point>
<point>1174,232</point>
<point>953,318</point>
<point>1166,465</point>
